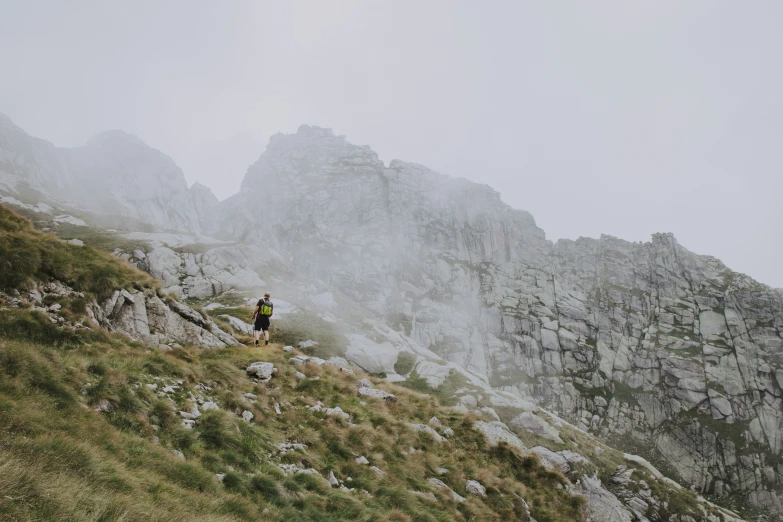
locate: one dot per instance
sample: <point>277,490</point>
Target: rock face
<point>205,274</point>
<point>643,343</point>
<point>114,174</point>
<point>143,316</point>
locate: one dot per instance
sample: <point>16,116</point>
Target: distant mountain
<point>114,174</point>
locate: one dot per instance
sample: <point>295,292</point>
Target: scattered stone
<point>442,471</point>
<point>247,415</point>
<point>550,459</point>
<point>333,480</point>
<point>448,433</point>
<point>362,460</point>
<point>261,370</point>
<point>104,406</point>
<point>337,412</point>
<point>426,429</point>
<point>287,447</point>
<point>288,348</point>
<point>497,432</point>
<point>475,488</point>
<point>537,426</point>
<point>191,415</point>
<point>307,344</point>
<point>55,307</point>
<point>300,375</point>
<point>277,409</point>
<point>220,476</point>
<point>75,242</point>
<point>378,470</point>
<point>251,396</point>
<point>179,454</point>
<point>209,405</point>
<point>299,360</point>
<point>435,423</point>
<point>293,469</point>
<point>373,393</point>
<point>440,484</point>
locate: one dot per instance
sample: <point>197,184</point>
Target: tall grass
<point>27,255</point>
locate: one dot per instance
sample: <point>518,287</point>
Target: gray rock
<point>537,426</point>
<point>337,412</point>
<point>552,460</point>
<point>261,370</point>
<point>426,429</point>
<point>440,484</point>
<point>475,488</point>
<point>496,432</point>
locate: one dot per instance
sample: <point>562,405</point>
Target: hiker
<point>261,316</point>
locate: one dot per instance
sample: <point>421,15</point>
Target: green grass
<point>27,255</point>
<point>62,461</point>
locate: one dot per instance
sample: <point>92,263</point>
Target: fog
<point>611,117</point>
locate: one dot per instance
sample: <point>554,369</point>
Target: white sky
<point>616,117</point>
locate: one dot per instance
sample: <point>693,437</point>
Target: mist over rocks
<point>653,348</point>
<point>643,343</point>
<point>113,174</point>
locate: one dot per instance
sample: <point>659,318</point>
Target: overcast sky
<point>615,117</point>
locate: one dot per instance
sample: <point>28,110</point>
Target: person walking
<point>261,316</point>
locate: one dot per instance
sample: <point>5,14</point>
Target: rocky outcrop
<point>145,317</point>
<point>647,344</point>
<point>214,271</point>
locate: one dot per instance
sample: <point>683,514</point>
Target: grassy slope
<point>62,460</point>
<point>28,255</point>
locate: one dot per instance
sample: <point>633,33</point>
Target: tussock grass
<point>65,461</point>
<point>27,255</point>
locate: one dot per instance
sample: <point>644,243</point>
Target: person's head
<point>267,296</point>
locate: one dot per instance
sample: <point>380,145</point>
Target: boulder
<point>496,432</point>
<point>261,370</point>
<point>537,426</point>
<point>475,488</point>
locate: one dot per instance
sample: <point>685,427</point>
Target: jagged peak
<point>197,186</point>
<point>315,130</point>
<point>204,193</point>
